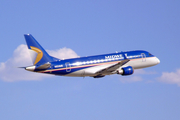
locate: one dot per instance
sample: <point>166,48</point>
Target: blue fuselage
<point>88,66</point>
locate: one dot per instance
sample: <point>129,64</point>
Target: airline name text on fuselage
<point>114,56</point>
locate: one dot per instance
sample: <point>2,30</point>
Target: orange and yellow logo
<point>39,54</point>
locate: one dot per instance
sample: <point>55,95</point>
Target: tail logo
<point>39,54</point>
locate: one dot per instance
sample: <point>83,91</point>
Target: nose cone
<point>157,60</point>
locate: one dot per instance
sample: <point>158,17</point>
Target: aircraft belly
<point>91,71</point>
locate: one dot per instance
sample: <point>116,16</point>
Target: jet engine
<point>126,71</point>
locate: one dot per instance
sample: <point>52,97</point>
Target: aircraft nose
<point>157,60</point>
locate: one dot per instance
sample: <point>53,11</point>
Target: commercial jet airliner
<point>97,66</point>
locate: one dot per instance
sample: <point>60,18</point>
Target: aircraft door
<point>68,67</point>
<point>143,57</point>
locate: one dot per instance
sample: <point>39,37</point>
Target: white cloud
<point>63,53</point>
<point>9,70</point>
<point>171,77</point>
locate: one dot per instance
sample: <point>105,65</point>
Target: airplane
<point>98,66</point>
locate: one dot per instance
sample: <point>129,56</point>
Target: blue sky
<point>90,27</point>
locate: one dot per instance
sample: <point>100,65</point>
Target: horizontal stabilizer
<point>44,66</point>
<point>41,67</point>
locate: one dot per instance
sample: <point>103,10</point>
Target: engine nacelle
<point>126,71</point>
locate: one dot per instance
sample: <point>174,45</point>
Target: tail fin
<point>38,54</point>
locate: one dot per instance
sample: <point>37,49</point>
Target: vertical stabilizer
<point>38,54</point>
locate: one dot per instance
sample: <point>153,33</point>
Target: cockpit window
<point>150,54</point>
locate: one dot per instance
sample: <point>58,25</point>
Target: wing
<point>112,68</point>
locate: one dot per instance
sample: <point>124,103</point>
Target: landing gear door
<point>143,57</point>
